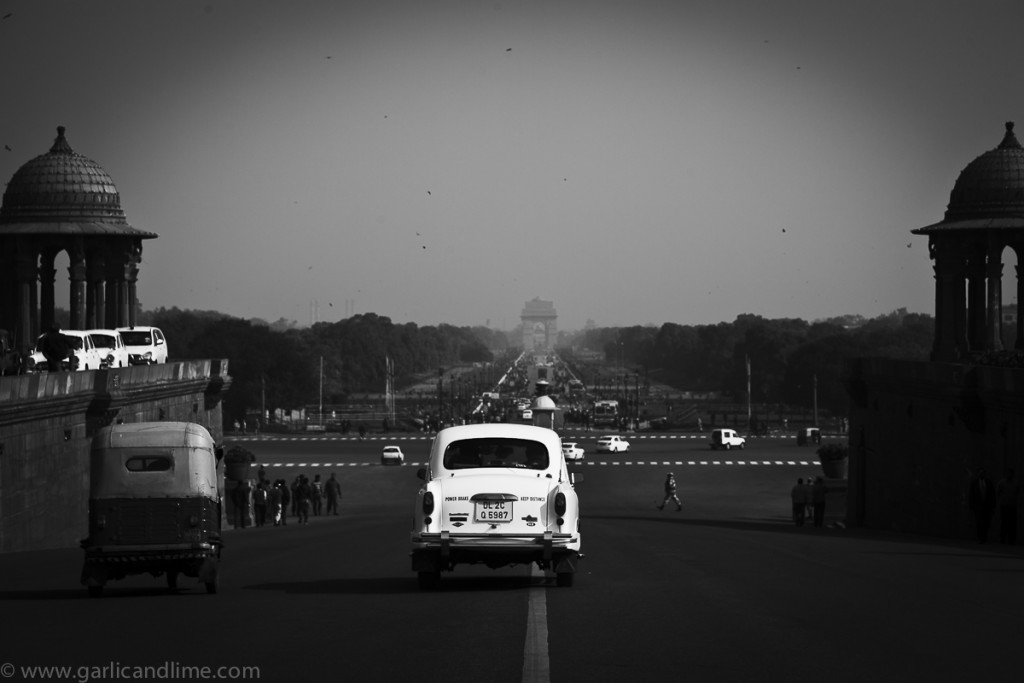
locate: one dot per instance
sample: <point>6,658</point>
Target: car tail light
<point>428,503</point>
<point>559,504</point>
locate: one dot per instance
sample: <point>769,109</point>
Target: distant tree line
<point>785,355</point>
<point>282,365</point>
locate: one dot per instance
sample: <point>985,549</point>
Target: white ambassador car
<point>572,451</point>
<point>612,444</point>
<point>497,494</point>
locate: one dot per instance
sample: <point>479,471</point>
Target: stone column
<point>26,277</point>
<point>976,301</point>
<point>950,305</point>
<point>1019,343</point>
<point>76,271</point>
<point>47,278</point>
<point>994,305</point>
<point>95,310</point>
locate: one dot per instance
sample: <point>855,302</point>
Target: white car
<point>392,455</point>
<point>726,439</point>
<point>110,346</point>
<point>572,451</point>
<point>496,494</point>
<point>81,347</point>
<point>146,345</point>
<point>612,444</point>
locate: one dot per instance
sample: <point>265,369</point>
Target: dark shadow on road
<point>781,525</point>
<point>450,583</point>
<point>110,592</point>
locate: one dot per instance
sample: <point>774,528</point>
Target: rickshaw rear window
<point>148,463</point>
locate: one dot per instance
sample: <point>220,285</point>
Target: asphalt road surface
<point>726,590</point>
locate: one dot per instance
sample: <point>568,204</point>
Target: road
<point>726,590</point>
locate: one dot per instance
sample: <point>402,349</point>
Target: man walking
<point>670,493</point>
<point>333,495</point>
<point>799,496</point>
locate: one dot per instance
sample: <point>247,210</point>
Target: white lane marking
<point>602,463</point>
<point>536,666</point>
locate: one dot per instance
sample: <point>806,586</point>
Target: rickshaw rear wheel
<point>95,591</point>
<point>172,580</point>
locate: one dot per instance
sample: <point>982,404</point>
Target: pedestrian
<point>294,497</point>
<point>317,495</point>
<point>286,499</point>
<point>798,494</point>
<point>1007,494</point>
<point>259,504</point>
<point>275,503</point>
<point>818,501</point>
<point>55,348</point>
<point>333,495</point>
<point>670,493</point>
<point>242,499</point>
<point>303,493</point>
<point>981,499</point>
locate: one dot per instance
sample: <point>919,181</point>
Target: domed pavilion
<point>63,201</point>
<point>985,215</point>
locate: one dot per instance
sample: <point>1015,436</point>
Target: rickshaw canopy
<point>153,460</point>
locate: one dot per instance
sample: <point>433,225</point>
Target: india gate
<point>540,331</point>
<point>63,201</point>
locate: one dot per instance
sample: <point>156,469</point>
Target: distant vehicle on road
<point>146,345</point>
<point>392,455</point>
<point>572,451</point>
<point>726,439</point>
<point>82,353</point>
<point>606,413</point>
<point>612,444</point>
<point>110,346</point>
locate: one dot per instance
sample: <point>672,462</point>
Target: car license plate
<point>494,511</point>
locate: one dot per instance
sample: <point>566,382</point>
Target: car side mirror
<point>422,473</point>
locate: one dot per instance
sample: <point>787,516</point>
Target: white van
<point>726,439</point>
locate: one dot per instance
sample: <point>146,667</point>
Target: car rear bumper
<point>436,551</point>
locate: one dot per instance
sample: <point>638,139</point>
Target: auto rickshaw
<point>154,504</point>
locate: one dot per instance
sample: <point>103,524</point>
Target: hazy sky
<point>635,162</point>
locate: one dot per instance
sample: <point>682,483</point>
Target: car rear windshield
<point>105,341</point>
<point>136,338</point>
<point>496,452</point>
